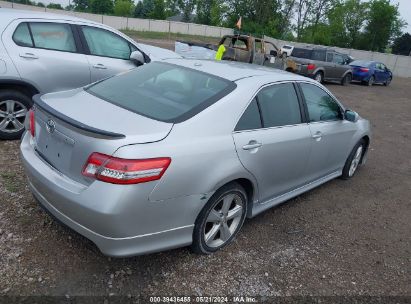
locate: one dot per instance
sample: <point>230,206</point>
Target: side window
<point>279,105</point>
<point>338,59</point>
<point>318,55</point>
<point>251,118</point>
<point>53,36</point>
<point>105,43</point>
<point>330,57</point>
<point>240,44</point>
<point>321,106</point>
<point>22,35</point>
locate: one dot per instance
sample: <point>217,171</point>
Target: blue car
<point>370,72</point>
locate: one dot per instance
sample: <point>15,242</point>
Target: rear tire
<point>13,108</point>
<point>354,160</point>
<point>220,220</point>
<point>319,77</point>
<point>371,81</point>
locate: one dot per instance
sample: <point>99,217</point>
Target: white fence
<point>399,65</point>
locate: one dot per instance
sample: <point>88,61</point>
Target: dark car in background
<point>323,64</point>
<point>370,72</point>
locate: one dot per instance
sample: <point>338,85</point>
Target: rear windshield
<point>163,91</point>
<point>361,63</point>
<point>301,53</point>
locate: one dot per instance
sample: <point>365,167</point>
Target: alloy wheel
<point>12,116</point>
<point>223,220</point>
<point>355,161</point>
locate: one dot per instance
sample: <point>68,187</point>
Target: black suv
<point>323,64</point>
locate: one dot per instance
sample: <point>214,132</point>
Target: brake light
<point>311,67</point>
<point>125,171</point>
<point>32,124</point>
<point>364,69</point>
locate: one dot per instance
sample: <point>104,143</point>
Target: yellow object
<point>220,52</point>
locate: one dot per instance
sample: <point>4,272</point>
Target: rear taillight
<point>364,69</point>
<point>32,123</point>
<point>125,171</point>
<point>311,67</point>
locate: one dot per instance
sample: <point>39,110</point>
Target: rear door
<point>330,133</point>
<point>47,54</point>
<point>107,52</point>
<point>330,66</point>
<point>275,146</point>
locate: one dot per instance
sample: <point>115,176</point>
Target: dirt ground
<point>345,238</point>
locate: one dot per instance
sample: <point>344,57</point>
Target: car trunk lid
<point>71,125</point>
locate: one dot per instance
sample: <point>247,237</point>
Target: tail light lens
<point>364,69</point>
<point>311,67</point>
<point>125,171</point>
<point>32,124</point>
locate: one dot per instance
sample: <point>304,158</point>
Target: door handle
<point>28,55</point>
<point>100,66</point>
<point>317,135</point>
<point>252,145</point>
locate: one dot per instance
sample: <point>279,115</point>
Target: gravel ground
<point>346,238</point>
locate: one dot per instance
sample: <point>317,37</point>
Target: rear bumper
<point>118,221</point>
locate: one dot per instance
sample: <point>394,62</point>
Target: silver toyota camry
<point>180,152</point>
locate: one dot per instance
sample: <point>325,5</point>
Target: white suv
<point>43,52</point>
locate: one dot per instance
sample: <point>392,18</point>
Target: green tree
<point>54,6</point>
<point>171,8</point>
<point>102,6</point>
<point>402,45</point>
<point>204,11</point>
<point>81,5</point>
<point>144,9</point>
<point>187,8</point>
<point>159,10</point>
<point>346,19</point>
<point>383,26</point>
<point>40,4</point>
<point>123,8</point>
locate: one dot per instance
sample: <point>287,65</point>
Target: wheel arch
<point>249,186</point>
<point>20,86</point>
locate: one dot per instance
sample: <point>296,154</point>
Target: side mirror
<point>273,53</point>
<point>137,57</point>
<point>351,116</point>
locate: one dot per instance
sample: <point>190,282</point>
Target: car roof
<point>7,15</point>
<point>234,71</point>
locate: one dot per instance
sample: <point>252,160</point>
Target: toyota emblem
<point>50,126</point>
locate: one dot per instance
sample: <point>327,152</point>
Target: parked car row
<point>324,64</point>
<point>171,152</point>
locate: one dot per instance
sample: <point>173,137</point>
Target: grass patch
<point>168,36</point>
<point>10,181</point>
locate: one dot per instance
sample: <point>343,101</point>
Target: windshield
<point>163,91</point>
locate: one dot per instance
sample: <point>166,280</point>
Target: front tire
<point>354,160</point>
<point>220,220</point>
<point>346,80</point>
<point>388,82</point>
<point>13,108</point>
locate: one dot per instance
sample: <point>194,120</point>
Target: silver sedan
<point>180,152</point>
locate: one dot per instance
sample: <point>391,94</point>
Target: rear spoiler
<point>45,107</point>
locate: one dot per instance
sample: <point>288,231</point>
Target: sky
<point>405,9</point>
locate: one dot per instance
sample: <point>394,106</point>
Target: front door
<point>47,55</point>
<point>275,146</point>
<point>330,134</point>
<point>109,53</point>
